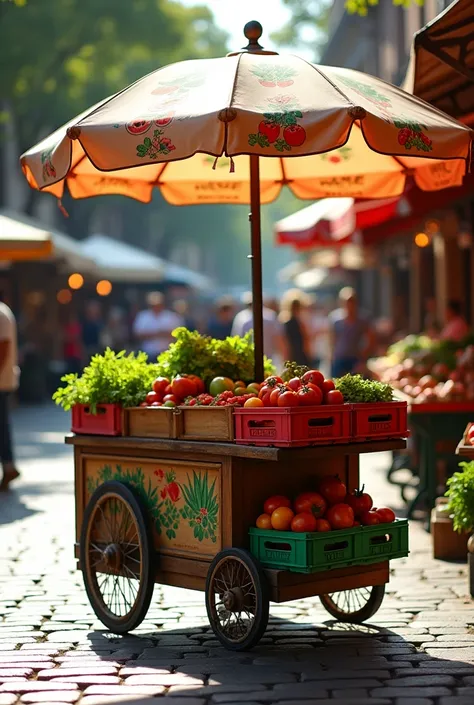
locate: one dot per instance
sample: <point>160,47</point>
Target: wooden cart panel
<point>182,498</point>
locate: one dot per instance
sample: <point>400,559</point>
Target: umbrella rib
<point>231,100</point>
<point>326,78</point>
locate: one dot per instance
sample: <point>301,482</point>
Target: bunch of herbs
<point>358,390</point>
<point>461,497</point>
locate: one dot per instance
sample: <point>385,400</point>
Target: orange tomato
<point>322,525</point>
<point>281,518</point>
<point>253,402</point>
<point>264,521</point>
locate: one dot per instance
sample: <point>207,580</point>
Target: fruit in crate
<point>303,387</point>
<point>330,508</point>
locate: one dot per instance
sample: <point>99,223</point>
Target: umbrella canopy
<point>121,262</point>
<point>333,221</point>
<point>441,69</point>
<point>322,131</point>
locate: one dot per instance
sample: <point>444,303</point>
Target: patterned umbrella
<point>236,129</point>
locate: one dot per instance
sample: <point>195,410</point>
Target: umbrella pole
<point>256,257</point>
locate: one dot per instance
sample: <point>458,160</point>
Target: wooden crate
<point>149,422</point>
<point>205,423</point>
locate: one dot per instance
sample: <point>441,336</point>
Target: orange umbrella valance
<point>354,135</point>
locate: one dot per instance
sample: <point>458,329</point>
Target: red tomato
<point>171,397</point>
<point>274,396</point>
<point>143,403</point>
<point>275,502</point>
<point>272,380</point>
<point>334,397</point>
<point>369,518</point>
<point>288,398</point>
<point>304,521</point>
<point>294,384</point>
<point>323,525</point>
<point>340,516</point>
<point>168,389</point>
<point>385,515</point>
<point>152,397</point>
<point>333,490</point>
<point>160,384</point>
<point>314,376</point>
<point>200,386</point>
<point>310,502</point>
<point>360,501</point>
<point>183,387</point>
<point>310,396</point>
<point>328,386</point>
<point>356,523</point>
<point>266,389</point>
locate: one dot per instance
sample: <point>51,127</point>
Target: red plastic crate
<point>379,420</point>
<point>287,427</point>
<point>107,421</point>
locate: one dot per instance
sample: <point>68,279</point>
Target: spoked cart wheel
<point>354,605</point>
<point>116,555</point>
<point>237,600</point>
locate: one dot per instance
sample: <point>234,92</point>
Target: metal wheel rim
<point>232,575</point>
<point>349,602</point>
<point>114,560</point>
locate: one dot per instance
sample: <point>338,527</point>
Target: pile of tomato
<point>170,393</point>
<point>309,390</point>
<point>328,509</point>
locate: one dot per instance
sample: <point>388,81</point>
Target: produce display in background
<point>469,435</point>
<point>205,357</point>
<point>441,373</point>
<point>111,378</point>
<point>330,508</point>
<point>461,497</point>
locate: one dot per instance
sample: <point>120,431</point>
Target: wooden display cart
<point>178,512</point>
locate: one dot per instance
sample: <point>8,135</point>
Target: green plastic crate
<point>313,552</point>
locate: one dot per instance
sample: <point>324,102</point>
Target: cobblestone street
<point>417,650</point>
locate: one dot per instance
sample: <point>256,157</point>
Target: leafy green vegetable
<point>292,369</point>
<point>461,497</point>
<point>111,378</point>
<point>421,348</point>
<point>196,354</point>
<point>356,389</point>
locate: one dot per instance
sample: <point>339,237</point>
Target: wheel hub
<point>113,557</point>
<point>233,599</point>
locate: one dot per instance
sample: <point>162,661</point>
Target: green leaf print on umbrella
<point>271,76</point>
<point>367,91</point>
<point>201,506</point>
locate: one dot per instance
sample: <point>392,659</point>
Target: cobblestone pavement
<point>418,649</point>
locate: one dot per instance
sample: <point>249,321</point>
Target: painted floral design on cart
<point>343,154</point>
<point>155,147</point>
<point>201,506</point>
<point>411,135</point>
<point>271,76</point>
<point>280,128</point>
<point>49,172</point>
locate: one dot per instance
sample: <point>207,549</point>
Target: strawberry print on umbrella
<point>411,135</point>
<point>280,128</point>
<point>271,76</point>
<point>49,172</point>
<point>156,147</point>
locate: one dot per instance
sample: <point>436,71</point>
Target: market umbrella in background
<point>277,120</point>
<point>441,69</point>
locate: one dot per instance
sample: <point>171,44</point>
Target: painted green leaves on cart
<point>201,506</point>
<point>170,504</point>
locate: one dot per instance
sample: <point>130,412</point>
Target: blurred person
<point>115,334</point>
<point>92,326</point>
<point>153,326</point>
<point>295,331</point>
<point>351,337</point>
<point>9,377</point>
<point>181,307</point>
<point>274,342</point>
<point>73,351</point>
<point>430,321</point>
<point>456,327</point>
<point>220,325</point>
<point>318,330</point>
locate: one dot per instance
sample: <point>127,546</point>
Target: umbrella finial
<point>253,31</point>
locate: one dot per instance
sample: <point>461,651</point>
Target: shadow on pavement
<point>13,508</point>
<point>39,431</point>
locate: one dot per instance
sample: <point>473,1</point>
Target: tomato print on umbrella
<point>280,128</point>
<point>49,172</point>
<point>411,135</point>
<point>343,154</point>
<point>271,76</point>
<point>153,148</point>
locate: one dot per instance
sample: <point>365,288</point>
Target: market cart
<point>128,537</point>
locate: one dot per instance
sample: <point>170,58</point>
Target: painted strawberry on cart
<point>271,76</point>
<point>280,128</point>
